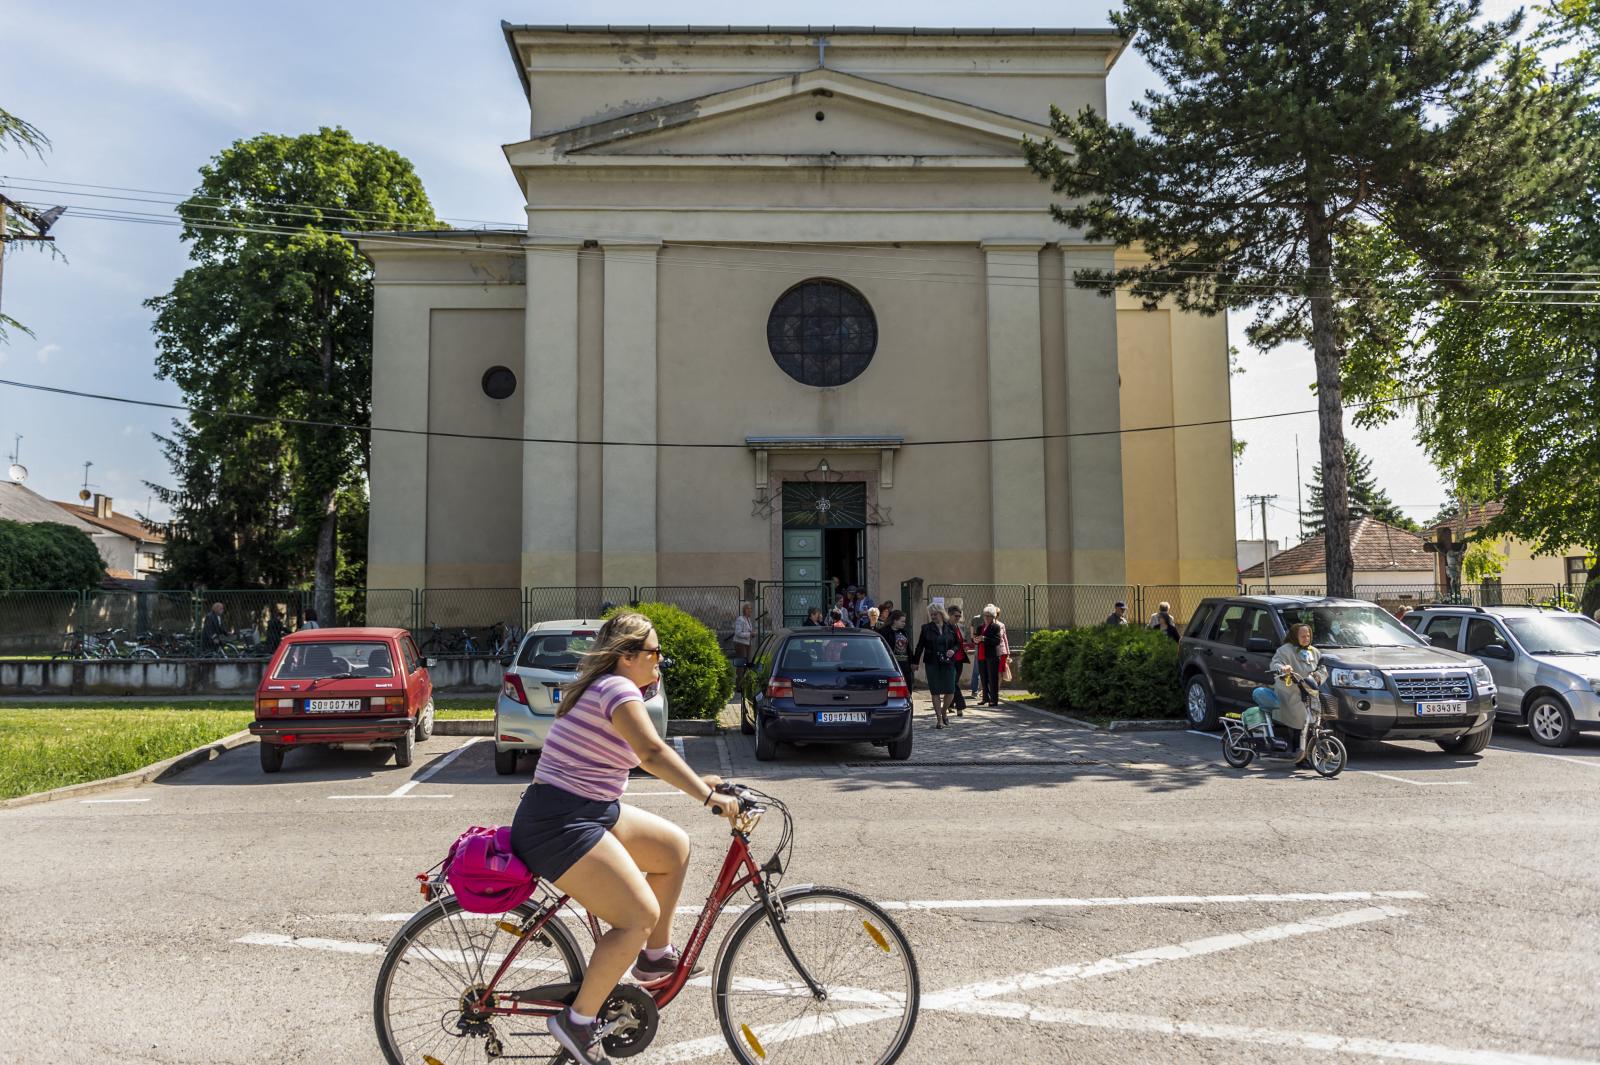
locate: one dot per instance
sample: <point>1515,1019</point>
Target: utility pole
<point>1266,545</point>
<point>1299,503</point>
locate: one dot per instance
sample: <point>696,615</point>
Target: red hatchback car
<point>344,688</point>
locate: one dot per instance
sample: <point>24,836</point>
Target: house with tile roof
<point>1569,567</point>
<point>131,549</point>
<point>1384,555</point>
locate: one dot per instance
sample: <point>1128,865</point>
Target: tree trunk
<point>327,535</point>
<point>1325,348</point>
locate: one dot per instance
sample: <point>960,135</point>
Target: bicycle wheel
<point>852,949</point>
<point>441,955</point>
<point>1328,755</point>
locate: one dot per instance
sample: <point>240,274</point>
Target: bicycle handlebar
<point>746,802</point>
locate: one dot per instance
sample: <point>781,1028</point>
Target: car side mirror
<point>1259,644</point>
<point>1495,650</point>
<point>429,663</point>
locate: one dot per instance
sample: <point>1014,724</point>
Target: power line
<point>709,445</point>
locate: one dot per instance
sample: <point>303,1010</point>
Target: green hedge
<point>47,554</point>
<point>1590,601</point>
<point>1118,671</point>
<point>700,682</point>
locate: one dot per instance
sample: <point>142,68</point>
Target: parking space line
<point>1377,1048</point>
<point>677,745</point>
<point>404,790</point>
<point>1415,783</point>
<point>724,761</point>
<point>93,802</point>
<point>1587,763</point>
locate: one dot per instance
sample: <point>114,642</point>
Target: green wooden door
<point>803,581</point>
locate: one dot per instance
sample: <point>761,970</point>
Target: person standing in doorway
<point>936,649</point>
<point>990,648</point>
<point>963,656</point>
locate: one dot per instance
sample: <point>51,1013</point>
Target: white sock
<point>577,1018</point>
<point>657,953</point>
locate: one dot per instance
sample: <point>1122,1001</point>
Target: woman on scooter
<point>1297,662</point>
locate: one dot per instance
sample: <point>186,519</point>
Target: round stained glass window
<point>499,382</point>
<point>822,333</point>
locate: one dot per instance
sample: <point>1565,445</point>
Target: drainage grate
<point>970,764</point>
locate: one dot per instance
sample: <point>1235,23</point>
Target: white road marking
<point>404,790</point>
<point>1416,783</point>
<point>1036,904</point>
<point>1204,735</point>
<point>344,946</point>
<point>1378,1048</point>
<point>92,802</point>
<point>724,761</point>
<point>966,995</point>
<point>1589,763</point>
<point>677,745</point>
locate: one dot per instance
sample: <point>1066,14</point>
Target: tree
<point>1282,124</point>
<point>274,321</point>
<point>23,225</point>
<point>47,554</point>
<point>1367,500</point>
<point>1503,377</point>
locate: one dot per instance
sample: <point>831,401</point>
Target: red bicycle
<point>805,974</point>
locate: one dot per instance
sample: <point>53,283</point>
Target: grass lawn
<point>48,747</point>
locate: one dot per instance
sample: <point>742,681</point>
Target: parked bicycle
<point>798,962</point>
<point>104,645</point>
<point>441,643</point>
<point>504,639</point>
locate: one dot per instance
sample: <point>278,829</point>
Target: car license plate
<point>842,717</point>
<point>333,706</point>
<point>1442,709</point>
<point>555,695</point>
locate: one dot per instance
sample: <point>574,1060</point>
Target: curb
<point>464,727</point>
<point>1160,724</point>
<point>149,774</point>
<point>1131,725</point>
<point>690,726</point>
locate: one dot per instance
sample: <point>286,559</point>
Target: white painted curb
<point>158,771</point>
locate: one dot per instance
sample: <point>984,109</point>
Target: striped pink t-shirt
<point>584,753</point>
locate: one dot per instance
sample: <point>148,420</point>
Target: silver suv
<point>1384,682</point>
<point>1546,663</point>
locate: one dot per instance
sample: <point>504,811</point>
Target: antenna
<point>84,493</point>
<point>18,472</point>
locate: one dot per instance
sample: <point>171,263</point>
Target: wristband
<point>707,800</point>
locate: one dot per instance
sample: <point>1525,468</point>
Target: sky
<point>139,96</point>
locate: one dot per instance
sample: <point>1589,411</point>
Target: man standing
<point>212,632</point>
<point>1119,616</point>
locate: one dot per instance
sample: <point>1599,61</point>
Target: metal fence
<point>1068,606</point>
<point>1182,598</point>
<point>1014,601</point>
<point>1486,594</point>
<point>713,606</point>
<point>562,604</point>
<point>37,622</point>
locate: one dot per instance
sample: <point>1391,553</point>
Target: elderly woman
<point>744,634</point>
<point>869,620</point>
<point>937,646</point>
<point>992,647</point>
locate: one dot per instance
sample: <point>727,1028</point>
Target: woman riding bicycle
<point>626,866</point>
<point>1299,664</point>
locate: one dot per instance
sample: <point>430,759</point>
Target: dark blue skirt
<point>553,828</point>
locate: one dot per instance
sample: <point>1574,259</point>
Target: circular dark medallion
<point>499,382</point>
<point>822,333</point>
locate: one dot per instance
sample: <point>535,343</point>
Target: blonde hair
<point>622,634</point>
<point>936,612</point>
<point>991,611</point>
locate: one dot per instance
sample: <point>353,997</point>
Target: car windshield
<point>561,651</point>
<point>836,654</point>
<point>1551,635</point>
<point>326,660</point>
<point>1349,626</point>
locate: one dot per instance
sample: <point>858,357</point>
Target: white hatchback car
<point>530,692</point>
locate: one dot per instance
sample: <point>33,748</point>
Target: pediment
<point>861,117</point>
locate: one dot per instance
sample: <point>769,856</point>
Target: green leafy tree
<point>1281,126</point>
<point>1502,377</point>
<point>1367,500</point>
<point>47,554</point>
<point>274,321</point>
<point>19,134</point>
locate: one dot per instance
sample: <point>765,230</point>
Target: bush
<point>1117,671</point>
<point>1591,596</point>
<point>47,554</point>
<point>700,682</point>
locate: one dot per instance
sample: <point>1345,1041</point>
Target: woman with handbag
<point>937,645</point>
<point>991,644</point>
<point>963,656</point>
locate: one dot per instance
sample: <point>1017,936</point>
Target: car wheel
<point>1200,703</point>
<point>505,762</point>
<point>900,750</point>
<point>425,725</point>
<point>747,727</point>
<point>405,749</point>
<point>1469,743</point>
<point>1550,722</point>
<point>766,746</point>
<point>271,757</point>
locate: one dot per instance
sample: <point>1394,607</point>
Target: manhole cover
<point>982,763</point>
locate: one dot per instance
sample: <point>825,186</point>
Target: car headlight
<point>1357,678</point>
<point>1594,684</point>
<point>1484,679</point>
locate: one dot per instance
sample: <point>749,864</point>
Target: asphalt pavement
<point>1071,895</point>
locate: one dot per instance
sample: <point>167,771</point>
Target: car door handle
<point>1208,652</point>
<point>1240,658</point>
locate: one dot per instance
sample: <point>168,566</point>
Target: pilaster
<point>1094,448</point>
<point>550,412</point>
<point>1016,409</point>
<point>628,514</point>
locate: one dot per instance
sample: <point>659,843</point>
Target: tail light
<point>511,688</point>
<point>780,688</point>
<point>388,703</point>
<point>274,707</point>
<point>898,689</point>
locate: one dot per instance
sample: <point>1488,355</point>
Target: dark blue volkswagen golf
<point>816,685</point>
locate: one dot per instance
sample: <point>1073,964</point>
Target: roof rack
<point>1451,606</point>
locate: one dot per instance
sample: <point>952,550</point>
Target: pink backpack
<point>484,873</point>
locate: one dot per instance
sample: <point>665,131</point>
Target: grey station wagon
<point>1384,682</point>
<point>1546,663</point>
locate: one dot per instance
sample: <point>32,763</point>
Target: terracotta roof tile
<point>1478,516</point>
<point>122,524</point>
<point>1374,545</point>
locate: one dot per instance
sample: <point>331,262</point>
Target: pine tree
<point>1282,127</point>
<point>1367,500</point>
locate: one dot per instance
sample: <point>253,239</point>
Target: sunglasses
<point>653,652</point>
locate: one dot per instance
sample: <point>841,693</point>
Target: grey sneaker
<point>577,1039</point>
<point>647,972</point>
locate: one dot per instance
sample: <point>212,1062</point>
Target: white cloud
<point>46,353</point>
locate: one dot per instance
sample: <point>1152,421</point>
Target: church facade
<point>789,305</point>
